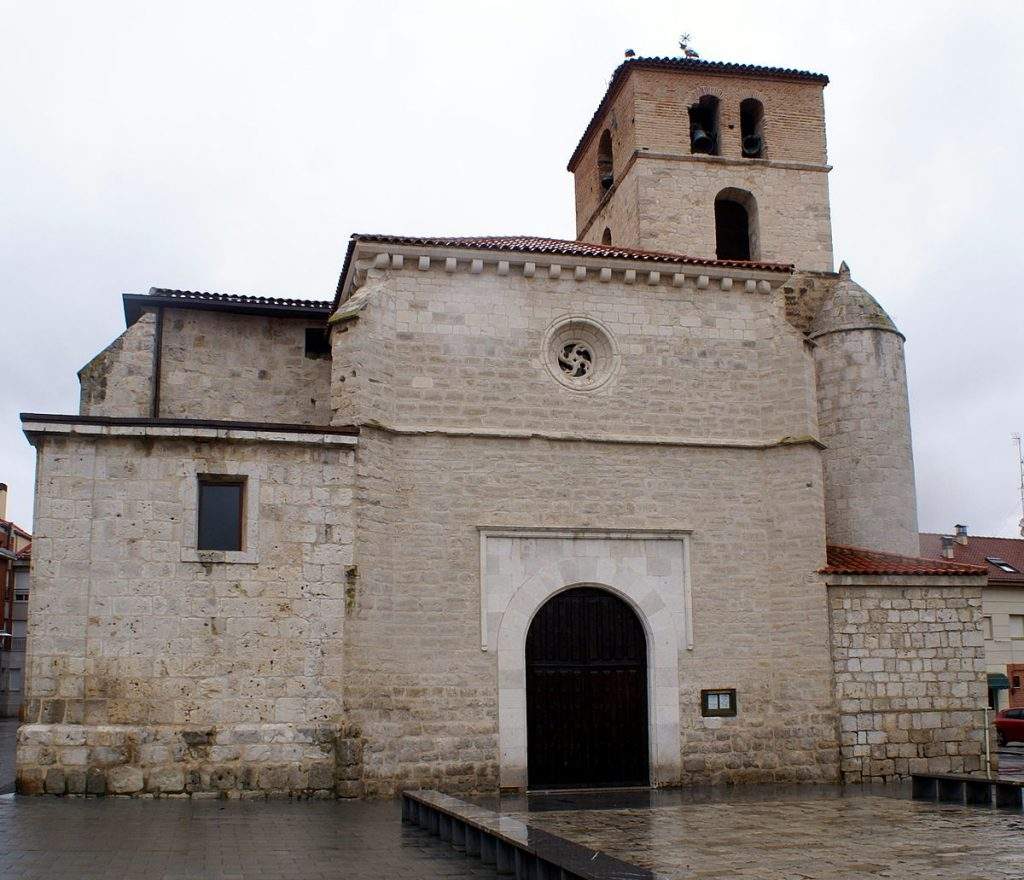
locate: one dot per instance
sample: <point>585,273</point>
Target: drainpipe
<point>154,409</point>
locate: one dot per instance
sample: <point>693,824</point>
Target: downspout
<point>154,409</point>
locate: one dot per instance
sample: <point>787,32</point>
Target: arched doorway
<point>586,693</point>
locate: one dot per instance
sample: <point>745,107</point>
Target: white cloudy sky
<point>234,146</point>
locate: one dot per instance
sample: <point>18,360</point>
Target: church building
<point>632,509</point>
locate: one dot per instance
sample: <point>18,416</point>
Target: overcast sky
<point>235,146</point>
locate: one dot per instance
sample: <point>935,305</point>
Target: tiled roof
<point>532,244</point>
<point>6,523</point>
<point>857,560</point>
<point>135,304</point>
<point>688,64</point>
<point>976,549</point>
<point>240,298</point>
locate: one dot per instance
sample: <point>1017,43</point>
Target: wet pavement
<point>780,832</point>
<point>125,839</point>
<point>755,833</point>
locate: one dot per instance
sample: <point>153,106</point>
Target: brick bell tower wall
<point>662,196</point>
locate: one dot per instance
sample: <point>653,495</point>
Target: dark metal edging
<point>512,846</point>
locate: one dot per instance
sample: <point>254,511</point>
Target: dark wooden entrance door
<point>586,693</point>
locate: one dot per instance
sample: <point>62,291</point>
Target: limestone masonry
<point>302,548</point>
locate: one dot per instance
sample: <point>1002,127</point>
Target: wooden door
<point>586,693</point>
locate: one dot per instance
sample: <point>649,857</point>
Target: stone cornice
<point>756,445</point>
<point>883,581</point>
<point>374,259</point>
<point>36,425</point>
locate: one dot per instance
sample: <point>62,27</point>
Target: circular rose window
<point>580,353</point>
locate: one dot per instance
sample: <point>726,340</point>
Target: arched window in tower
<point>704,126</point>
<point>736,234</point>
<point>606,237</point>
<point>605,168</point>
<point>752,128</point>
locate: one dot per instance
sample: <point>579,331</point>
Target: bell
<point>606,180</point>
<point>752,145</point>
<point>700,140</point>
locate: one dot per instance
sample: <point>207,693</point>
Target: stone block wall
<point>243,761</point>
<point>434,350</point>
<point>129,631</point>
<point>792,218</point>
<point>219,365</point>
<point>909,678</point>
<point>119,380</point>
<point>864,415</point>
<point>424,694</point>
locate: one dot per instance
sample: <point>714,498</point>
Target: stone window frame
<point>667,620</point>
<point>597,337</point>
<point>190,551</point>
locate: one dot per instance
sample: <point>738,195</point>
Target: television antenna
<point>1020,460</point>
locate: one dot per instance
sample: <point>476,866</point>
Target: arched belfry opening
<point>606,236</point>
<point>605,162</point>
<point>586,693</point>
<point>752,128</point>
<point>704,126</point>
<point>736,235</point>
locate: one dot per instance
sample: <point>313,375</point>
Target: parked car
<point>1010,726</point>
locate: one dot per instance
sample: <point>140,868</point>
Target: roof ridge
<point>982,537</point>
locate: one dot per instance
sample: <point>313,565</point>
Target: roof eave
<point>775,273</point>
<point>136,304</point>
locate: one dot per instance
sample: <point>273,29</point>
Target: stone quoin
<point>298,547</point>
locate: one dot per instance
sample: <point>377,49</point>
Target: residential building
<point>15,559</point>
<point>1002,605</point>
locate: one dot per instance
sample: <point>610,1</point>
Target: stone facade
<point>652,428</point>
<point>211,366</point>
<point>909,677</point>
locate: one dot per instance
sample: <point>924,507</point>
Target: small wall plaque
<point>718,703</point>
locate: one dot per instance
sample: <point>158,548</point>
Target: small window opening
<point>1000,563</point>
<point>606,236</point>
<point>704,126</point>
<point>220,513</point>
<point>752,128</point>
<point>20,597</point>
<point>318,343</point>
<point>605,162</point>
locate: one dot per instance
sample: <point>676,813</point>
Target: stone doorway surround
<point>521,568</point>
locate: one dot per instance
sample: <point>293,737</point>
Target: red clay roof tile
<point>857,560</point>
<point>975,551</point>
<point>532,244</point>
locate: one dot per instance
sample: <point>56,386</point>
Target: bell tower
<point>708,159</point>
